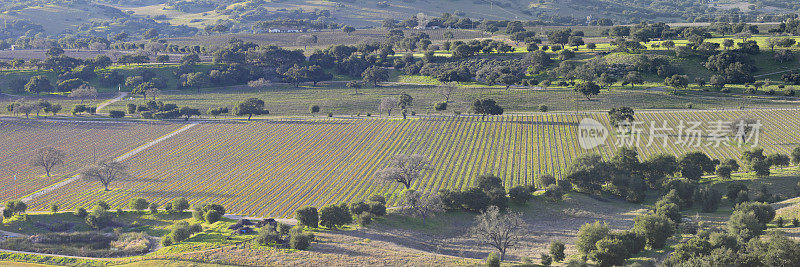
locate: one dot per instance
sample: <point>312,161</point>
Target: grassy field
<point>285,100</point>
<point>81,142</point>
<point>214,236</point>
<point>325,38</point>
<point>273,167</point>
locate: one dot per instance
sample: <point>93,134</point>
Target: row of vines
<point>81,142</point>
<point>271,168</point>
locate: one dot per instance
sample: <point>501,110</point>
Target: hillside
<point>187,18</point>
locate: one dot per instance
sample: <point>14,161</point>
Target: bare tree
<point>154,47</point>
<point>105,172</point>
<point>744,35</point>
<point>114,55</point>
<point>260,83</point>
<point>47,158</point>
<point>447,89</point>
<point>500,230</point>
<point>742,128</point>
<point>307,40</point>
<point>83,92</point>
<point>98,46</point>
<point>420,204</point>
<point>26,108</point>
<point>388,104</point>
<point>404,169</point>
<point>152,92</point>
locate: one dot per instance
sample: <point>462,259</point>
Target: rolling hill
<point>187,18</point>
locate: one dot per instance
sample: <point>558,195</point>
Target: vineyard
<point>272,168</point>
<point>81,142</point>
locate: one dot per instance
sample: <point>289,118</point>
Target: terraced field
<point>270,168</point>
<point>81,142</point>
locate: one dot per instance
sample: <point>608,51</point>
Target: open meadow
<point>326,38</point>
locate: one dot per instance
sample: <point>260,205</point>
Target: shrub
<point>744,224</point>
<point>654,228</point>
<point>763,211</point>
<point>212,216</point>
<point>685,251</point>
<point>80,212</point>
<point>519,194</point>
<point>53,208</point>
<point>553,193</point>
<point>358,208</point>
<point>669,210</point>
<point>489,182</point>
<point>763,195</point>
<point>202,212</point>
<point>724,172</point>
<point>633,242</point>
<point>441,106</point>
<point>609,252</point>
<point>708,198</point>
<point>589,234</point>
<point>683,189</point>
<point>179,204</point>
<point>267,236</point>
<point>180,232</point>
<point>795,222</point>
<point>77,109</point>
<point>365,218</point>
<point>334,216</point>
<point>116,114</point>
<point>546,180</point>
<point>166,241</point>
<point>153,208</point>
<point>723,240</point>
<point>498,198</point>
<point>546,259</point>
<point>779,222</point>
<point>543,108</point>
<point>15,207</point>
<point>474,200</point>
<point>300,241</point>
<point>377,208</point>
<point>196,228</point>
<point>377,199</point>
<point>147,114</point>
<point>102,204</point>
<point>493,260</point>
<point>197,215</point>
<point>734,192</point>
<point>98,218</point>
<point>307,216</point>
<point>138,204</point>
<point>557,251</point>
<point>283,229</point>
